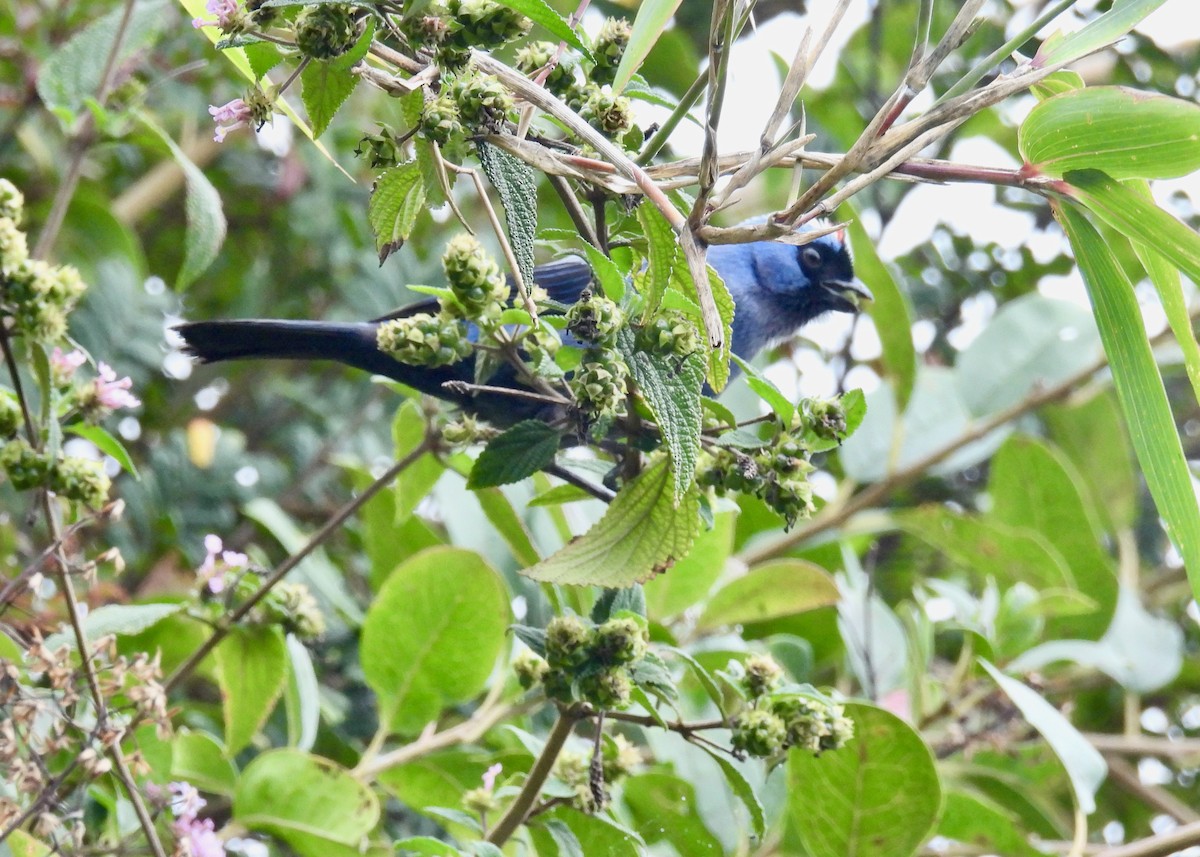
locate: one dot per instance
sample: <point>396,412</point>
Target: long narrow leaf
<point>1139,387</point>
<point>652,18</point>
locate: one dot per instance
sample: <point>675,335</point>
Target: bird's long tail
<point>352,344</point>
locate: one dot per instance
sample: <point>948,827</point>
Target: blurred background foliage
<point>259,452</point>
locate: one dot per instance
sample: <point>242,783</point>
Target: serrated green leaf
<point>106,443</point>
<point>878,796</point>
<point>718,359</point>
<point>1123,132</point>
<point>251,671</point>
<point>767,391</point>
<point>1135,374</point>
<point>663,251</point>
<point>671,387</point>
<point>608,275</point>
<point>652,19</point>
<point>542,14</point>
<point>71,75</point>
<point>397,198</point>
<point>642,533</point>
<point>1112,25</point>
<point>1084,764</point>
<point>519,452</point>
<point>206,224</point>
<point>516,183</point>
<point>262,57</point>
<point>325,86</point>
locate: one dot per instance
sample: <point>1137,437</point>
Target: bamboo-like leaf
<point>1112,25</point>
<point>1139,386</point>
<point>652,18</point>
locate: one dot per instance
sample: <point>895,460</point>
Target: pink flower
<point>489,776</point>
<point>229,117</point>
<point>197,838</point>
<point>185,800</point>
<point>112,393</point>
<point>209,573</point>
<point>226,12</point>
<point>64,365</point>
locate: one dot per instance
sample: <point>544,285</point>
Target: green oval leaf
<point>251,671</point>
<point>781,588</point>
<point>198,758</point>
<point>878,796</point>
<point>310,803</point>
<point>433,634</point>
<point>1122,132</point>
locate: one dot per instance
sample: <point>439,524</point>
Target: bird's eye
<point>810,257</point>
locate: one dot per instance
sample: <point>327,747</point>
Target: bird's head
<point>815,277</point>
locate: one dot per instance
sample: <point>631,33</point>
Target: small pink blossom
<point>225,12</point>
<point>489,776</point>
<point>113,393</point>
<point>197,838</point>
<point>185,800</point>
<point>209,573</point>
<point>229,117</point>
<point>64,365</point>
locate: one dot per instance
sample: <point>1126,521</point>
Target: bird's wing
<point>563,279</point>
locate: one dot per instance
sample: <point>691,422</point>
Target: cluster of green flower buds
<point>292,607</point>
<point>670,332</point>
<point>595,319</point>
<point>826,418</point>
<point>777,719</point>
<point>608,113</point>
<point>469,102</point>
<point>598,384</point>
<point>586,662</point>
<point>382,149</point>
<point>536,56</point>
<point>618,759</point>
<point>424,339</point>
<point>467,24</point>
<point>80,480</point>
<point>474,277</point>
<point>777,474</point>
<point>326,31</point>
<point>610,46</point>
<point>35,295</point>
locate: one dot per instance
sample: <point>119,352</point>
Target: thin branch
<point>318,538</point>
<point>469,730</point>
<point>1145,745</point>
<point>1126,776</point>
<point>598,491</point>
<point>536,778</point>
<point>1160,845</point>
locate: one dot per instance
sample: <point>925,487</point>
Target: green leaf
<point>426,845</point>
<point>408,432</point>
<point>516,183</point>
<point>663,807</point>
<point>1033,486</point>
<point>1032,342</point>
<point>1136,378</point>
<point>302,702</point>
<point>1112,25</point>
<point>741,787</point>
<point>71,75</point>
<point>671,388</point>
<point>662,253</point>
<point>519,452</point>
<point>106,443</point>
<point>508,524</point>
<point>1057,84</point>
<point>310,803</point>
<point>1092,434</point>
<point>117,619</point>
<point>542,14</point>
<point>604,837</point>
<point>251,671</point>
<point>559,495</point>
<point>1084,764</point>
<point>396,200</point>
<point>690,579</point>
<point>262,56</point>
<point>20,844</point>
<point>889,311</point>
<point>767,391</point>
<point>1123,132</point>
<point>718,359</point>
<point>652,19</point>
<point>198,758</point>
<point>782,587</point>
<point>879,796</point>
<point>206,224</point>
<point>612,281</point>
<point>325,86</point>
<point>976,821</point>
<point>643,532</point>
<point>432,635</point>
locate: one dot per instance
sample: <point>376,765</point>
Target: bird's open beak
<point>848,295</point>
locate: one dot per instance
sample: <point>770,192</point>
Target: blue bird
<point>777,288</point>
